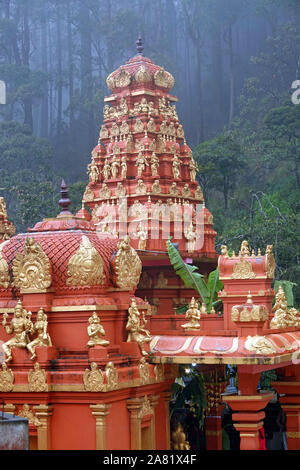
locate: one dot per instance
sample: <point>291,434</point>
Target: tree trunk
<point>45,103</point>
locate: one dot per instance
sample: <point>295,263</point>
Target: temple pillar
<point>167,397</point>
<point>290,402</point>
<point>100,411</point>
<point>43,413</point>
<point>248,417</point>
<point>213,432</point>
<point>142,428</point>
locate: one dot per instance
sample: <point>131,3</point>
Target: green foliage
<point>208,292</point>
<point>266,378</point>
<point>188,389</point>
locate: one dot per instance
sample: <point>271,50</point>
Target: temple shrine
<point>91,341</point>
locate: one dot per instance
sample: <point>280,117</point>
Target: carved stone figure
<point>144,371</point>
<point>154,164</point>
<point>156,188</point>
<point>123,167</point>
<point>141,163</point>
<point>141,188</point>
<point>96,331</point>
<point>142,235</point>
<point>191,236</point>
<point>115,165</point>
<point>193,169</point>
<point>128,265</point>
<point>176,167</point>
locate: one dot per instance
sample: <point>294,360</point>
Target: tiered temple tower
<point>143,178</point>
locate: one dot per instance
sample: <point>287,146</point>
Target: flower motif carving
<point>86,267</point>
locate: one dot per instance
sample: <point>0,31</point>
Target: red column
<point>248,417</point>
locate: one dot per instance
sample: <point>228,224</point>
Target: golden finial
<point>249,298</point>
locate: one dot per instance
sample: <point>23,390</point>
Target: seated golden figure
<point>179,441</point>
<point>43,338</point>
<point>193,315</point>
<point>135,328</point>
<point>20,325</point>
<point>95,331</point>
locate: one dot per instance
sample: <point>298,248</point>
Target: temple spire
<point>139,45</point>
<point>64,201</point>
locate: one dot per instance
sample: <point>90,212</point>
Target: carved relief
<point>128,265</point>
<point>159,372</point>
<point>112,376</point>
<point>93,379</point>
<point>242,270</point>
<point>86,267</point>
<point>32,270</point>
<point>122,79</point>
<point>144,371</point>
<point>259,345</point>
<point>37,379</point>
<point>26,412</point>
<point>142,75</point>
<point>6,379</point>
<point>164,79</point>
<point>4,272</point>
<point>88,195</point>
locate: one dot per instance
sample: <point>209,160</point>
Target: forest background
<point>234,62</point>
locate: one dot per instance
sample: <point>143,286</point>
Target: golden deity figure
<point>156,188</point>
<point>37,379</point>
<point>123,107</point>
<point>135,327</point>
<point>244,250</point>
<point>173,189</point>
<point>193,169</point>
<point>43,338</point>
<point>120,190</point>
<point>280,309</point>
<point>141,188</point>
<point>93,379</point>
<point>114,167</point>
<point>293,318</point>
<point>191,236</point>
<point>179,441</point>
<point>142,235</point>
<point>154,164</point>
<point>193,315</point>
<point>21,325</point>
<point>186,191</point>
<point>176,167</point>
<point>93,172</point>
<point>3,211</point>
<point>123,167</point>
<point>6,379</point>
<point>95,331</point>
<point>106,169</point>
<point>112,376</point>
<point>224,250</point>
<point>141,163</point>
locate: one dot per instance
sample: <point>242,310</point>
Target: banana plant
<point>207,291</point>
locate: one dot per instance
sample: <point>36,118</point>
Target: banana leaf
<point>214,286</point>
<point>187,272</point>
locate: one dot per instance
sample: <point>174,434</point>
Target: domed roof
<point>139,72</point>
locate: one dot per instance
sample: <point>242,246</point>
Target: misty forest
<point>235,63</point>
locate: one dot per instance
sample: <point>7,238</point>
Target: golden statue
<point>20,325</point>
<point>141,188</point>
<point>176,167</point>
<point>6,379</point>
<point>280,309</point>
<point>142,235</point>
<point>114,167</point>
<point>123,167</point>
<point>141,163</point>
<point>244,251</point>
<point>193,169</point>
<point>112,376</point>
<point>86,267</point>
<point>106,170</point>
<point>190,235</point>
<point>37,380</point>
<point>95,331</point>
<point>93,379</point>
<point>154,164</point>
<point>43,338</point>
<point>135,328</point>
<point>144,371</point>
<point>156,188</point>
<point>93,172</point>
<point>224,250</point>
<point>179,441</point>
<point>162,281</point>
<point>193,315</point>
<point>3,211</point>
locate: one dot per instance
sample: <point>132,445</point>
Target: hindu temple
<point>91,340</point>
